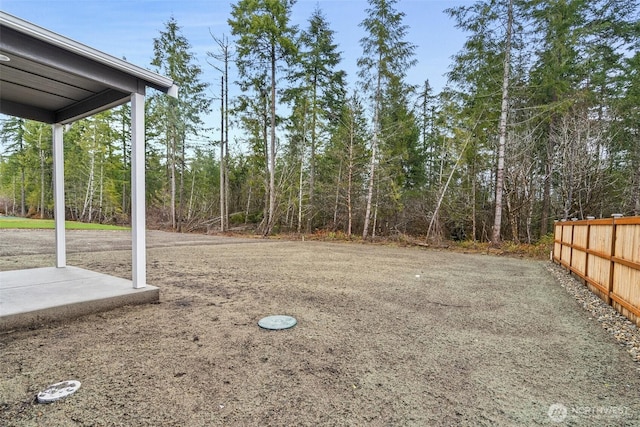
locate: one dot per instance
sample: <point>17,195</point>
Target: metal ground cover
<point>277,322</point>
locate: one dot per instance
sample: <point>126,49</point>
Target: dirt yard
<point>386,336</point>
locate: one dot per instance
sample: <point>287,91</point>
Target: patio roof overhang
<point>53,79</point>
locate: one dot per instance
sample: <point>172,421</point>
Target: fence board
<point>578,253</point>
<point>600,238</point>
<point>605,254</point>
<point>629,249</point>
<point>599,272</point>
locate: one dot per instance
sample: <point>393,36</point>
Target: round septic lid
<point>58,391</point>
<point>277,322</point>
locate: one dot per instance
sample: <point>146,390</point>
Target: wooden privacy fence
<point>605,254</point>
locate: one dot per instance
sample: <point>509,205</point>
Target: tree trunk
<point>193,186</point>
<point>101,192</point>
<point>375,214</point>
<point>312,158</point>
<point>530,210</point>
<point>14,195</point>
<point>372,169</point>
<point>23,197</point>
<point>226,136</point>
<point>474,184</point>
<point>374,147</point>
<point>246,215</point>
<point>350,177</point>
<point>504,109</point>
<point>181,188</point>
<point>172,171</point>
<point>548,169</point>
<point>42,180</point>
<point>88,196</point>
<point>264,224</point>
<point>223,224</point>
<point>446,185</point>
<point>224,132</point>
<point>125,175</point>
<point>272,147</point>
<point>300,191</point>
<point>337,199</point>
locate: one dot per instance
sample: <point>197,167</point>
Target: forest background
<point>539,120</point>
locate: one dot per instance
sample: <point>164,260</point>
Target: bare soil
<point>386,336</point>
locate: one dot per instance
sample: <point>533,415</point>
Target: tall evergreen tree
<point>122,124</point>
<point>319,60</point>
<point>502,127</point>
<point>478,73</point>
<point>555,75</point>
<point>626,127</point>
<point>265,39</point>
<point>38,136</point>
<point>178,119</point>
<point>402,169</point>
<point>224,55</point>
<point>386,56</point>
<point>12,134</point>
<point>578,47</point>
<point>349,152</point>
<point>427,111</point>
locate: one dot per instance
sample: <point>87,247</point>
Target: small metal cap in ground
<point>277,322</point>
<point>58,391</point>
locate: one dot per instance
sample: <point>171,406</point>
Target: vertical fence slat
<point>612,254</point>
<point>573,229</point>
<point>586,251</point>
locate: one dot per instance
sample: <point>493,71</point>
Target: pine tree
<point>12,134</point>
<point>224,55</point>
<point>178,119</point>
<point>318,72</point>
<point>265,38</point>
<point>386,56</point>
<point>502,127</point>
<point>555,76</point>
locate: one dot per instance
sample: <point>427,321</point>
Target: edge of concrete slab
<point>146,295</point>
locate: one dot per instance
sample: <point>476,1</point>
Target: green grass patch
<point>8,222</point>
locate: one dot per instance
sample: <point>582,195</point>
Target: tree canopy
<point>540,120</point>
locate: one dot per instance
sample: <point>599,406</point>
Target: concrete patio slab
<point>40,295</point>
<point>36,296</point>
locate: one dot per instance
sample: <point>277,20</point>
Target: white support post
<point>138,221</point>
<point>58,195</point>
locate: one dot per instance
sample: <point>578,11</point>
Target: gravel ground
<point>386,336</point>
<point>622,329</point>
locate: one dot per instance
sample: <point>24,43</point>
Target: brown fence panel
<point>579,248</point>
<point>557,244</point>
<point>567,238</point>
<point>626,276</point>
<point>599,264</point>
<point>605,254</point>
